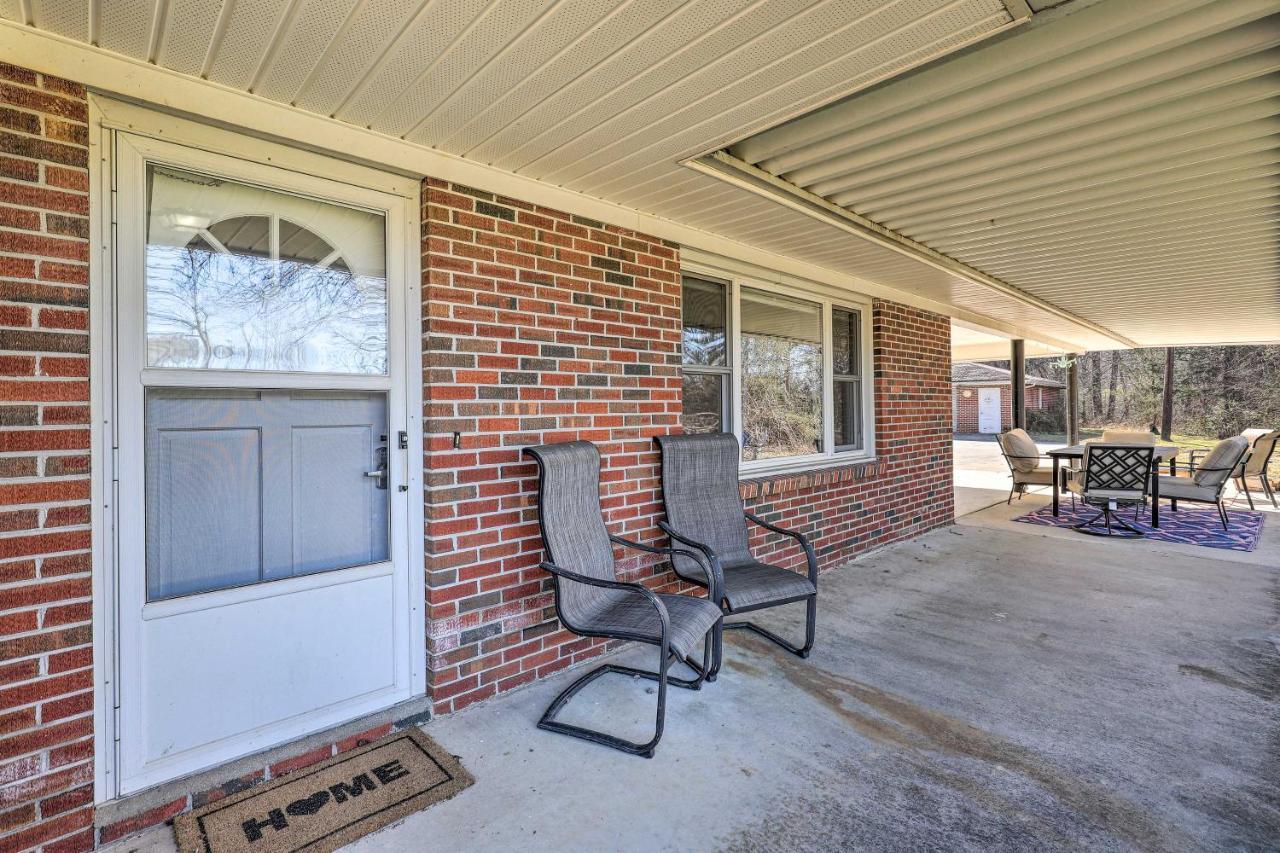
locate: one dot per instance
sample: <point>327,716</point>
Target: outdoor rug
<point>329,804</point>
<point>1187,526</point>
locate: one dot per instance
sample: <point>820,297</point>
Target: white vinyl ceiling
<point>1120,163</point>
<point>611,98</point>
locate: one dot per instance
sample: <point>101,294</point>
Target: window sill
<point>797,464</point>
<point>803,474</point>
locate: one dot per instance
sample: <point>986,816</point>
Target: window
<point>783,370</point>
<point>846,363</point>
<point>285,474</point>
<point>781,343</point>
<point>706,356</point>
<point>230,290</point>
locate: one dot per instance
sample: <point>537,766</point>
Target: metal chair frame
<point>1192,468</point>
<point>811,606</point>
<point>666,657</point>
<point>1109,507</point>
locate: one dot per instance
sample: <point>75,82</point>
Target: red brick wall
<point>544,327</point>
<point>540,327</point>
<point>46,676</point>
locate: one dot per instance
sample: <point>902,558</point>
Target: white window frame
<point>736,276</point>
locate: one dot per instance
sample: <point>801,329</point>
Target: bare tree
<point>1166,400</point>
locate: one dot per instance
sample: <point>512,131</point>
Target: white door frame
<point>402,199</point>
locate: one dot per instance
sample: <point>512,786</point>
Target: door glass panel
<point>245,278</point>
<point>246,486</point>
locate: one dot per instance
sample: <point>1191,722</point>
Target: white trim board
<point>176,93</point>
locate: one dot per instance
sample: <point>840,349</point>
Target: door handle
<point>380,473</point>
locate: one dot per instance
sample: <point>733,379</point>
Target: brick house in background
<point>974,385</point>
<point>499,322</point>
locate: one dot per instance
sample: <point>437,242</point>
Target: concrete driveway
<point>985,687</point>
<point>981,474</point>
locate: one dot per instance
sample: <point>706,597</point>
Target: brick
<point>200,799</point>
<point>151,817</point>
<point>306,759</point>
<point>31,341</point>
<point>47,830</point>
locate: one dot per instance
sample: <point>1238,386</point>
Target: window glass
<point>704,323</point>
<point>245,486</point>
<point>845,338</point>
<point>245,278</point>
<point>781,375</point>
<point>704,397</point>
<point>846,346</point>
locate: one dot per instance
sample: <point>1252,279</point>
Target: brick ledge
<point>777,484</point>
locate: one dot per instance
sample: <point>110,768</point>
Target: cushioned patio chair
<point>1128,436</point>
<point>1114,476</point>
<point>1027,465</point>
<point>591,602</point>
<point>1262,448</point>
<point>1208,477</point>
<point>705,512</point>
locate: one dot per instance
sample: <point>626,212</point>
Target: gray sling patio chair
<point>1114,475</point>
<point>704,512</point>
<point>1208,478</point>
<point>591,602</point>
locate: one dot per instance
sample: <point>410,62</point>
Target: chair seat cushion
<point>1185,488</point>
<point>751,583</point>
<point>1042,476</point>
<point>633,617</point>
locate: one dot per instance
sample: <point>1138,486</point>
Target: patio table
<point>1163,452</point>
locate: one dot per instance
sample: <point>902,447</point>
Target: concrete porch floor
<point>986,686</point>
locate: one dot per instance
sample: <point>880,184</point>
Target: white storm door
<point>989,410</point>
<point>261,404</point>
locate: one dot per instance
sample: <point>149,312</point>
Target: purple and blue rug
<point>1187,526</point>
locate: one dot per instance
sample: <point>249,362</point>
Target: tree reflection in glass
<point>232,290</point>
<point>781,376</point>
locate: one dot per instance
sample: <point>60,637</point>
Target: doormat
<point>330,804</point>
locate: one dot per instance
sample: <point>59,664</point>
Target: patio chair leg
<point>1112,523</point>
<point>1244,487</point>
<point>811,627</point>
<point>1222,513</point>
<point>549,722</point>
<point>1010,500</point>
<point>1270,492</point>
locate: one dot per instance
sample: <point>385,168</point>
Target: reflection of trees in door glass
<point>260,291</point>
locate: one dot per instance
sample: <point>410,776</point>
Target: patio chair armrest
<point>710,560</point>
<point>1191,467</point>
<point>635,588</point>
<point>809,554</point>
<point>700,559</point>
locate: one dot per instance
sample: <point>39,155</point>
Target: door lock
<point>380,474</point>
